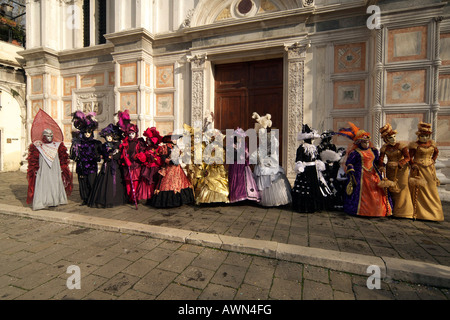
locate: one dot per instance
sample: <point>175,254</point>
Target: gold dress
<point>397,170</point>
<point>195,174</point>
<point>423,182</point>
<point>213,186</point>
<point>194,171</point>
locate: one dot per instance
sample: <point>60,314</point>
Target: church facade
<point>171,62</point>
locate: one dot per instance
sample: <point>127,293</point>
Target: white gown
<point>49,188</point>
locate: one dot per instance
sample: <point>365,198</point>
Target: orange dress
<point>367,198</point>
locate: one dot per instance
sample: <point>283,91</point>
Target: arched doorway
<point>11,131</point>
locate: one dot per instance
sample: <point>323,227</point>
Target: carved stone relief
<point>198,87</point>
<point>296,54</point>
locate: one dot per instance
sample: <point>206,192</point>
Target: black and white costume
<point>310,188</point>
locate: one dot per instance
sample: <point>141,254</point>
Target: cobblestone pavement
<point>422,241</point>
<point>35,257</point>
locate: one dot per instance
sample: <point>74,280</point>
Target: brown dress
<point>423,183</point>
<point>397,170</point>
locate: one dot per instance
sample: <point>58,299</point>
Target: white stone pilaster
<point>116,87</point>
<point>296,54</point>
<point>198,99</point>
<point>377,110</point>
<point>435,106</point>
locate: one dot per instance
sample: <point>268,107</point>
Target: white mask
<point>48,136</point>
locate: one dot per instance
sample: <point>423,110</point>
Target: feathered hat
<point>354,133</point>
<point>85,122</point>
<point>262,122</point>
<point>307,133</point>
<point>110,130</point>
<point>153,135</point>
<point>124,122</point>
<point>424,129</point>
<point>387,131</point>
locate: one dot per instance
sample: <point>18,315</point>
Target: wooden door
<point>247,87</point>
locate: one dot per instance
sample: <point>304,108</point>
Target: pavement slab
<point>216,251</point>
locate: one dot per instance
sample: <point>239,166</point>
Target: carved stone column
<point>296,54</point>
<point>435,106</point>
<point>377,110</point>
<point>198,99</point>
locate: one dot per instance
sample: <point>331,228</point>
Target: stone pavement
<point>35,256</point>
<point>408,251</point>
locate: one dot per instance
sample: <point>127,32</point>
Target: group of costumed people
<point>398,180</point>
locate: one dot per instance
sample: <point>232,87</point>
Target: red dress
<point>149,178</point>
<point>174,188</point>
<point>132,166</point>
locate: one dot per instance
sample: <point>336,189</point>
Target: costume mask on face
<point>424,138</point>
<point>132,135</point>
<point>48,136</point>
<point>392,139</point>
<point>365,144</point>
<point>88,134</point>
<point>109,138</point>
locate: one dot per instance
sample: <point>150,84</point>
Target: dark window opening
<point>86,23</point>
<point>101,21</point>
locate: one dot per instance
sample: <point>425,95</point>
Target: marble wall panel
<point>444,89</point>
<point>406,87</point>
<point>128,101</point>
<point>349,94</point>
<point>35,106</point>
<point>69,84</point>
<point>445,48</point>
<point>94,80</point>
<point>405,124</point>
<point>37,84</point>
<point>164,127</point>
<point>128,74</point>
<point>350,57</point>
<point>407,44</point>
<point>165,76</point>
<point>164,105</point>
<point>443,131</point>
